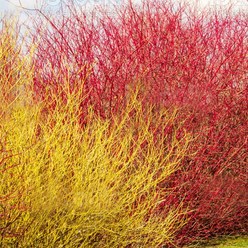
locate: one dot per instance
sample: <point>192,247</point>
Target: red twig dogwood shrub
<point>214,183</point>
<point>196,61</point>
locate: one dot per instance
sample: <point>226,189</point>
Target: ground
<point>227,242</point>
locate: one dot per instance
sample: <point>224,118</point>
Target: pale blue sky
<point>5,5</point>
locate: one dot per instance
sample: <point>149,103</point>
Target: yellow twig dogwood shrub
<point>15,69</point>
<point>64,184</point>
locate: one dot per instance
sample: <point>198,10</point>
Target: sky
<point>6,4</point>
<point>12,5</point>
